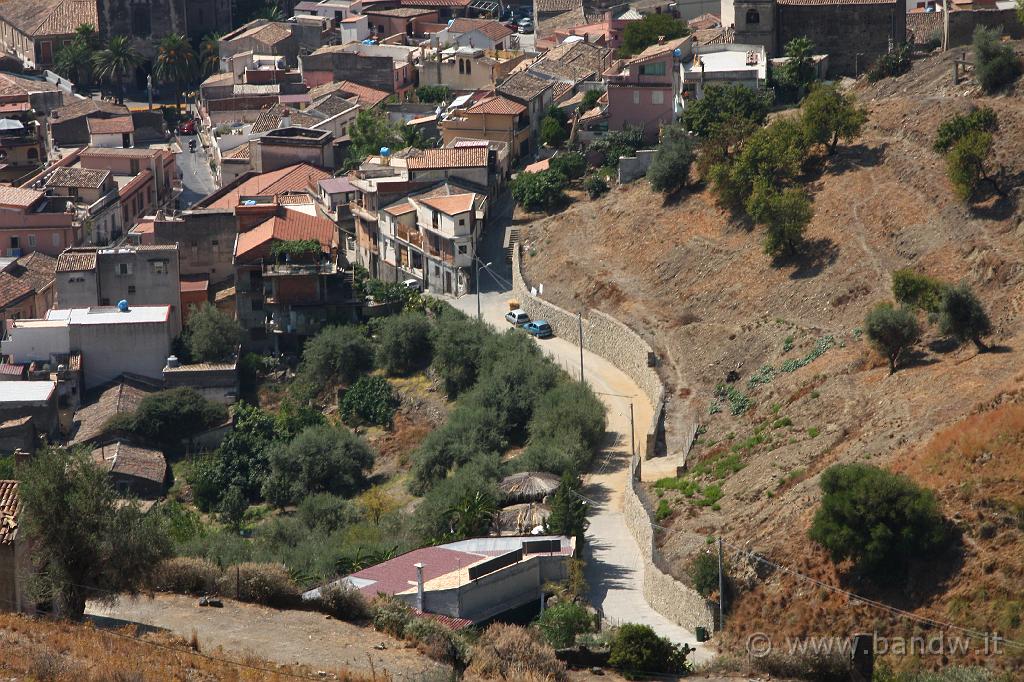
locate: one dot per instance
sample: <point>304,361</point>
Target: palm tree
<point>88,35</point>
<point>209,54</point>
<point>115,62</point>
<point>472,515</point>
<point>175,63</point>
<point>269,12</point>
<point>74,62</point>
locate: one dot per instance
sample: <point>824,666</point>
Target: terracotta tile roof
<point>334,104</point>
<point>74,176</point>
<point>9,369</point>
<point>18,197</point>
<point>49,17</point>
<point>226,78</point>
<point>120,398</point>
<point>452,205</point>
<point>538,166</point>
<point>704,21</point>
<point>12,290</point>
<point>240,152</point>
<point>523,86</point>
<point>270,33</point>
<point>366,97</point>
<point>336,185</point>
<point>655,51</point>
<point>133,152</point>
<point>399,208</point>
<point>85,107</point>
<point>29,274</point>
<point>290,226</point>
<point>556,5</point>
<point>200,283</point>
<point>10,507</point>
<point>435,3</point>
<point>73,260</point>
<point>400,12</point>
<point>446,157</point>
<point>495,30</point>
<point>108,126</point>
<point>288,179</point>
<point>271,117</point>
<point>837,2</point>
<point>129,460</point>
<point>497,105</point>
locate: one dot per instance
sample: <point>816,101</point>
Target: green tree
<point>963,317</point>
<point>209,54</point>
<point>232,507</point>
<point>982,119</point>
<point>785,215</point>
<point>115,62</point>
<point>270,12</point>
<point>212,336</point>
<point>561,623</point>
<point>641,34</point>
<point>590,98</point>
<point>457,341</point>
<point>472,515</point>
<point>882,521</point>
<point>318,459</point>
<point>403,343</point>
<point>891,331</point>
<point>967,165</point>
<point>166,418</point>
<point>370,400</point>
<point>703,571</point>
<point>369,134</point>
<point>543,191</point>
<point>176,64</point>
<point>829,115</point>
<point>670,167</point>
<point>337,354</point>
<point>595,186</point>
<point>553,132</point>
<point>723,104</point>
<point>84,543</point>
<point>571,165</point>
<point>433,94</point>
<point>568,512</point>
<point>918,290</point>
<point>433,518</point>
<point>774,154</point>
<point>996,63</point>
<point>637,652</point>
<point>799,70</point>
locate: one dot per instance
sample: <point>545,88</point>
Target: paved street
<point>196,178</point>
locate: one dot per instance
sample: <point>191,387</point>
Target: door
<point>447,281</point>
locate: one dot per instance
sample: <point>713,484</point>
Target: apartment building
<point>643,91</point>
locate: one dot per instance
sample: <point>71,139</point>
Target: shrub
<point>436,641</point>
<point>391,615</point>
<point>825,666</point>
<point>966,164</point>
<point>595,186</point>
<point>893,63</point>
<point>212,336</point>
<point>168,417</point>
<point>918,290</point>
<point>541,191</point>
<point>266,584</point>
<point>881,520</point>
<point>562,622</point>
<point>891,331</point>
<point>996,63</point>
<point>963,317</point>
<point>670,167</point>
<point>344,602</point>
<point>318,459</point>
<point>509,652</point>
<point>982,119</point>
<point>432,94</point>
<point>703,571</point>
<point>616,144</point>
<point>553,132</point>
<point>590,98</point>
<point>572,165</point>
<point>725,104</point>
<point>785,215</point>
<point>637,651</point>
<point>370,400</point>
<point>828,115</point>
<point>403,343</point>
<point>457,342</point>
<point>185,575</point>
<point>337,354</point>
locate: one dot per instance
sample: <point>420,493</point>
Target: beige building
<point>467,69</point>
<point>35,31</point>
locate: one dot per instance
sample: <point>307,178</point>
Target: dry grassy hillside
<point>701,290</point>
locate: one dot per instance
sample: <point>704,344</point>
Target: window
<point>133,164</point>
<point>159,267</point>
<point>33,154</point>
<point>653,69</point>
<point>31,241</point>
<point>131,289</point>
<point>437,270</point>
<point>462,221</point>
<point>15,243</point>
<point>462,66</point>
<point>657,97</point>
<point>469,67</point>
<point>462,249</point>
<point>753,16</point>
<point>123,269</point>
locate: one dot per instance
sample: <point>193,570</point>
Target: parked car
<point>187,127</point>
<point>526,25</point>
<point>413,284</point>
<point>539,328</point>
<point>517,317</point>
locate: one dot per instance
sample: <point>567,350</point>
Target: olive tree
<point>891,331</point>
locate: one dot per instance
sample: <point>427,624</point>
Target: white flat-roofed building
<point>726,64</point>
<point>33,401</point>
<point>33,393</point>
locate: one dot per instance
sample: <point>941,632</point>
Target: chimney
<point>172,361</point>
<point>419,586</point>
<point>661,40</point>
<point>21,458</point>
<point>286,118</point>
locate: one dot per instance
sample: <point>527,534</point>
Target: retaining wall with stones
<point>607,337</point>
<point>633,167</point>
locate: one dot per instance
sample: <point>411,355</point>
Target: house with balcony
<point>32,220</point>
<point>643,91</point>
<point>536,94</point>
<point>467,69</point>
<point>494,118</point>
<point>22,146</point>
<point>97,200</point>
<point>725,64</point>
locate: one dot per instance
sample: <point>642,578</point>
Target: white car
<point>413,284</point>
<point>517,317</point>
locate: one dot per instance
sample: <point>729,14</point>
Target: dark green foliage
<point>240,461</point>
<point>725,103</point>
<point>433,519</point>
<point>966,164</point>
<point>553,132</point>
<point>590,98</point>
<point>433,94</point>
<point>85,544</point>
<point>568,512</point>
<point>7,468</point>
<point>963,317</point>
<point>543,191</point>
<point>640,35</point>
<point>567,428</point>
<point>472,514</point>
<point>571,165</point>
<point>637,651</point>
<point>982,119</point>
<point>370,400</point>
<point>894,63</point>
<point>670,167</point>
<point>344,603</point>
<point>798,72</point>
<point>785,215</point>
<point>562,622</point>
<point>335,355</point>
<point>829,115</point>
<point>891,331</point>
<point>318,459</point>
<point>774,154</point>
<point>371,131</point>
<point>595,186</point>
<point>472,430</point>
<point>168,417</point>
<point>232,507</point>
<point>457,343</point>
<point>921,291</point>
<point>403,343</point>
<point>703,571</point>
<point>616,144</point>
<point>996,63</point>
<point>391,615</point>
<point>882,521</point>
<point>305,249</point>
<point>389,292</point>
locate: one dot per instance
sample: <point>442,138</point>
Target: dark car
<point>187,127</point>
<point>539,328</point>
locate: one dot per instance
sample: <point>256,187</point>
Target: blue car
<point>539,328</point>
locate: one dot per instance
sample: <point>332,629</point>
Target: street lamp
<point>476,261</point>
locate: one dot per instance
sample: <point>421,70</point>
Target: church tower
<point>753,22</point>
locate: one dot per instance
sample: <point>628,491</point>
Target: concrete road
<point>196,178</point>
<point>614,569</point>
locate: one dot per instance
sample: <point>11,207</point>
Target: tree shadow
<point>994,207</point>
<point>681,194</point>
<point>999,348</point>
<point>814,256</point>
<point>846,159</point>
<point>915,358</point>
<point>945,345</point>
<point>109,623</point>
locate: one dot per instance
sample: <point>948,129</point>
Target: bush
<point>167,417</point>
<point>590,98</point>
<point>785,215</point>
<point>391,615</point>
<point>433,94</point>
<point>882,521</point>
<point>185,575</point>
<point>637,651</point>
<point>703,571</point>
<point>436,641</point>
<point>571,165</point>
<point>891,331</point>
<point>553,132</point>
<point>725,104</point>
<point>921,291</point>
<point>403,343</point>
<point>963,317</point>
<point>509,652</point>
<point>344,602</point>
<point>670,167</point>
<point>318,459</point>
<point>595,186</point>
<point>982,119</point>
<point>457,342</point>
<point>893,63</point>
<point>828,116</point>
<point>562,622</point>
<point>541,191</point>
<point>335,355</point>
<point>370,400</point>
<point>212,336</point>
<point>965,164</point>
<point>996,63</point>
<point>266,584</point>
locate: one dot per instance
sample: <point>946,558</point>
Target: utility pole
<point>632,435</point>
<point>721,588</point>
<point>579,319</point>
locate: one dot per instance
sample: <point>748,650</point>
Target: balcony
<point>409,236</point>
<point>293,269</point>
<point>446,258</point>
<point>361,211</point>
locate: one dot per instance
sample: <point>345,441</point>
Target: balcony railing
<point>362,211</point>
<point>288,269</point>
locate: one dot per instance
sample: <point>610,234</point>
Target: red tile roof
<point>452,205</point>
<point>28,275</point>
<point>659,50</point>
<point>10,507</point>
<point>497,105</point>
<point>290,179</point>
<point>17,197</point>
<point>128,460</point>
<point>365,96</point>
<point>446,157</point>
<point>290,226</point>
<point>495,30</point>
<point>108,126</point>
<point>399,574</point>
<point>435,3</point>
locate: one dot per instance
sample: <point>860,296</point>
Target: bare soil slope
<point>701,290</point>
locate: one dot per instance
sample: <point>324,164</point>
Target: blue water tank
<point>122,305</point>
<point>677,53</point>
<point>385,151</point>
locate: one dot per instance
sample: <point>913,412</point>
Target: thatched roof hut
<point>520,519</point>
<point>528,486</point>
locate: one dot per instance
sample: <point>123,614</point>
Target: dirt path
<point>282,636</point>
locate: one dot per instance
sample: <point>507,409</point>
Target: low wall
<point>962,23</point>
<point>633,167</point>
<point>607,337</point>
<point>666,595</point>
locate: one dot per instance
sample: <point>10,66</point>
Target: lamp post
<point>476,262</point>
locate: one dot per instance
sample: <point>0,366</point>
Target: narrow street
<point>196,179</point>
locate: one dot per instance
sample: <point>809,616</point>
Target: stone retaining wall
<point>604,336</point>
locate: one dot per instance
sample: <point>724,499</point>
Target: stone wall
<point>633,167</point>
<point>666,595</point>
<point>605,336</point>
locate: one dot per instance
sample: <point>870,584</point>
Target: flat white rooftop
<point>110,315</point>
<point>26,391</point>
<point>725,61</point>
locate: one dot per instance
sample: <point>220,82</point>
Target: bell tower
<point>753,22</point>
